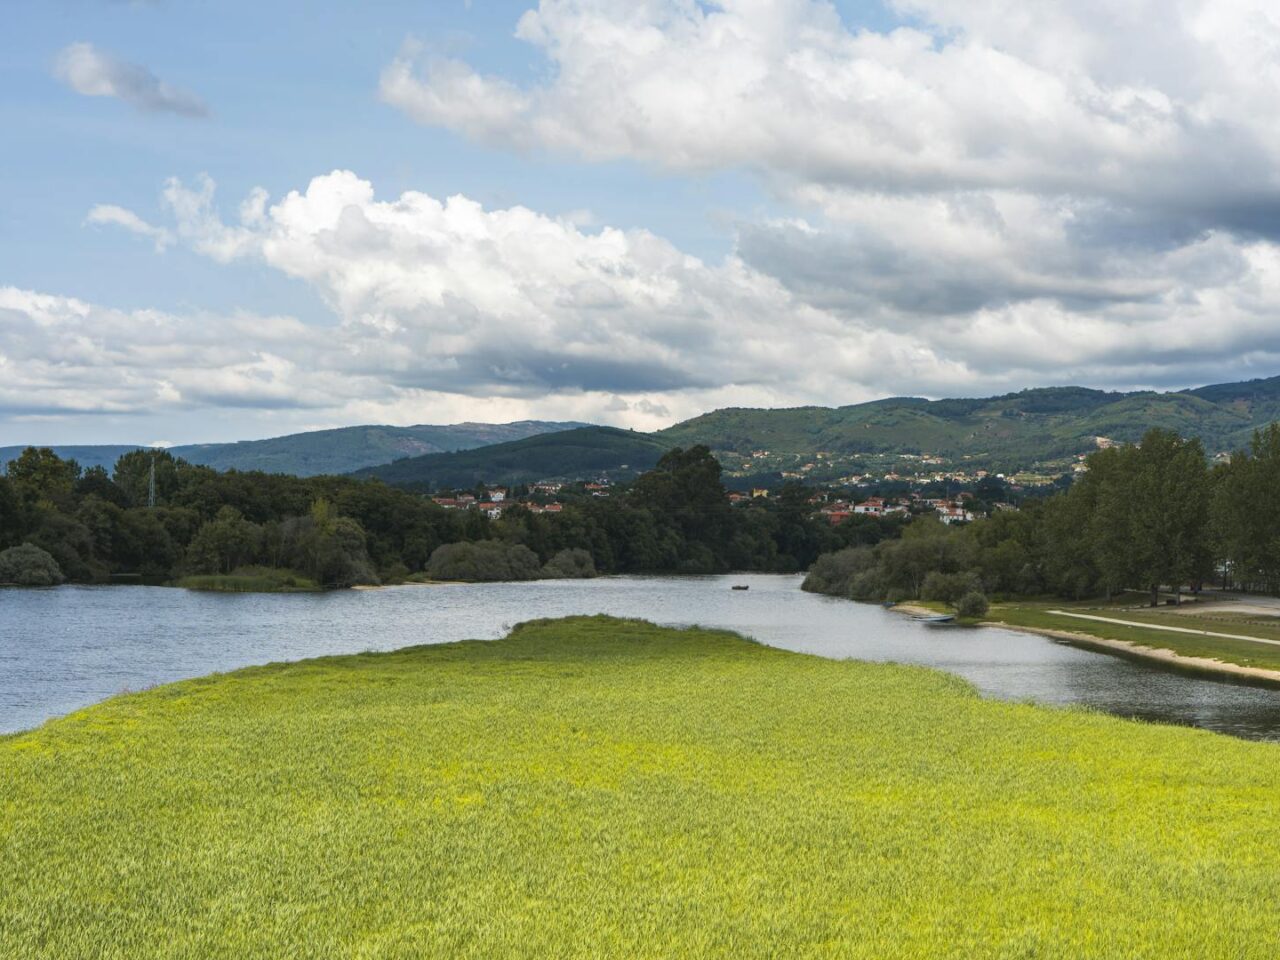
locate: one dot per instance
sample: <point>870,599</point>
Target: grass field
<point>1038,614</point>
<point>605,788</point>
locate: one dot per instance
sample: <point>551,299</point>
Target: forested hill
<point>569,454</point>
<point>323,451</point>
<point>1019,429</point>
<point>1031,426</point>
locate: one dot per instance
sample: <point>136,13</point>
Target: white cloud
<point>446,306</point>
<point>1139,102</point>
<point>106,213</point>
<point>95,73</point>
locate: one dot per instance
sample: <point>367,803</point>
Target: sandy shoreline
<point>1125,648</point>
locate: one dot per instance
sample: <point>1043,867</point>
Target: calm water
<point>67,648</point>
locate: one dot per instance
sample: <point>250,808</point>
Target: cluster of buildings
<point>494,501</point>
<point>497,500</point>
<point>948,511</point>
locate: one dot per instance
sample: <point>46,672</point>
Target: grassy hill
<point>569,454</point>
<point>325,451</point>
<point>604,788</point>
<point>1031,426</point>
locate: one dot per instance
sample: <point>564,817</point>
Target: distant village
<point>542,498</point>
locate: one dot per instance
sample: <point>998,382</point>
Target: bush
<point>835,573</point>
<point>484,561</point>
<point>973,604</point>
<point>870,586</point>
<point>29,566</point>
<point>571,564</point>
<point>949,587</point>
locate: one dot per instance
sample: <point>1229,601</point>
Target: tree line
<point>1142,517</point>
<point>156,518</point>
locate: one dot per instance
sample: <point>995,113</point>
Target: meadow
<point>601,788</point>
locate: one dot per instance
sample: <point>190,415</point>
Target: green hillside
<point>1033,426</point>
<point>568,454</point>
<point>324,451</point>
<point>1044,427</point>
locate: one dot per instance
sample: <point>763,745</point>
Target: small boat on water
<point>937,618</point>
<point>740,586</point>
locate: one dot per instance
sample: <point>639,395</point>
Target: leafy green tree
<point>132,474</point>
<point>1170,503</point>
<point>950,587</point>
<point>684,491</point>
<point>224,543</point>
<point>574,564</point>
<point>343,558</point>
<point>487,560</point>
<point>12,515</point>
<point>96,482</point>
<point>40,474</point>
<point>1245,524</point>
<point>835,573</point>
<point>71,545</point>
<point>973,605</point>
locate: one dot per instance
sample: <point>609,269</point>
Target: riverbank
<point>595,786</point>
<point>1097,627</point>
<point>1199,652</point>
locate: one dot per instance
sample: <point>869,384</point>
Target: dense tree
<point>574,564</point>
<point>224,543</point>
<point>12,523</point>
<point>40,474</point>
<point>1245,522</point>
<point>1138,519</point>
<point>486,560</point>
<point>132,475</point>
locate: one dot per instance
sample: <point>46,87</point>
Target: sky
<point>225,221</point>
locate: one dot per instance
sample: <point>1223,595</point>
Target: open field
<point>604,788</point>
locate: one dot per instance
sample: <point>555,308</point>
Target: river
<point>66,648</point>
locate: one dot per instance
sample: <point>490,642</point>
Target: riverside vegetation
<point>1141,518</point>
<point>595,787</point>
<point>226,529</point>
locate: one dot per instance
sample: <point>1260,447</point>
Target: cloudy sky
<point>234,220</point>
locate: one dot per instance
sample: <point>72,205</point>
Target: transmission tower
<point>151,484</point>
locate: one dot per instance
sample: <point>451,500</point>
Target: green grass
<point>251,580</point>
<point>1243,652</point>
<point>604,788</point>
<point>1217,621</point>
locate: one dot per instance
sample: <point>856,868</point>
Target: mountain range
<point>342,450</point>
<point>582,452</point>
<point>1032,426</point>
<point>1043,428</point>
